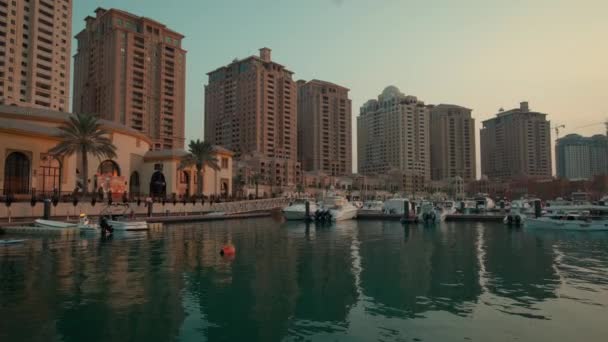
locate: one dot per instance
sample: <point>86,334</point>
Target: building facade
<point>131,70</point>
<point>516,143</point>
<point>35,48</point>
<point>452,143</point>
<point>394,134</point>
<point>580,158</point>
<point>27,134</point>
<point>251,109</point>
<point>324,128</point>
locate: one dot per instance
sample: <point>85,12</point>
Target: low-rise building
<point>27,134</point>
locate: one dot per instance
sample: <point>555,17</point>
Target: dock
<point>23,229</point>
<point>474,218</point>
<point>203,218</point>
<point>385,217</point>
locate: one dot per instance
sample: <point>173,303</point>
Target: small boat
<point>216,213</point>
<point>10,242</point>
<point>119,217</point>
<point>54,224</point>
<point>83,223</point>
<point>297,210</point>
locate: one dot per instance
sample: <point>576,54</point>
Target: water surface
<point>354,281</point>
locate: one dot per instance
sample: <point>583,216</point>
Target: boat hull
<point>298,212</point>
<point>128,225</point>
<point>54,224</point>
<point>343,214</point>
<point>574,225</point>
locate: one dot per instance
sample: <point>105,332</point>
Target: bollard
<point>406,210</point>
<point>47,209</point>
<point>537,209</point>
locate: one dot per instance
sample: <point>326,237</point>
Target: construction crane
<point>556,128</point>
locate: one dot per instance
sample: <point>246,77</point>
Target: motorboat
<point>519,210</point>
<point>429,213</point>
<point>484,203</point>
<point>336,208</point>
<point>120,217</point>
<point>571,218</point>
<point>297,209</point>
<point>449,207</point>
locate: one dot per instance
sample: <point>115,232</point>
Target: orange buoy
<point>228,250</point>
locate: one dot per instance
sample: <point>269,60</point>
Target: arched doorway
<point>134,184</point>
<point>108,168</point>
<point>16,173</point>
<point>224,187</point>
<point>158,186</point>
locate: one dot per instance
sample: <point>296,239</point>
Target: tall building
<point>516,143</point>
<point>393,134</point>
<point>131,70</point>
<point>324,128</point>
<point>251,109</point>
<point>452,143</point>
<point>580,157</point>
<point>35,48</point>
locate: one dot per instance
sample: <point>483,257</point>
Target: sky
<point>481,54</point>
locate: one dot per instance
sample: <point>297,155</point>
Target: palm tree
<point>201,155</point>
<point>83,134</point>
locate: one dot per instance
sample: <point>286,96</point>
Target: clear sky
<point>482,54</point>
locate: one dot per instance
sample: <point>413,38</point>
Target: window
<point>224,163</point>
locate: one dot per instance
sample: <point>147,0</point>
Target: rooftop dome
<point>391,92</point>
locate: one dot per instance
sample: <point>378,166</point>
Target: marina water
<point>354,280</point>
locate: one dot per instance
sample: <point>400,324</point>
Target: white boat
<point>297,210</point>
<point>571,218</point>
<point>431,214</point>
<point>519,210</point>
<point>122,224</point>
<point>339,208</point>
<point>54,224</point>
<point>117,215</point>
<point>449,207</point>
<point>484,203</point>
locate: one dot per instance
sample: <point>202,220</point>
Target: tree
<point>83,134</point>
<point>256,178</point>
<point>201,155</point>
<point>238,183</point>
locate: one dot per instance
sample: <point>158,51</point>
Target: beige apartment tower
<point>251,109</point>
<point>516,144</point>
<point>131,70</point>
<point>35,48</point>
<point>393,134</point>
<point>452,143</point>
<point>324,128</point>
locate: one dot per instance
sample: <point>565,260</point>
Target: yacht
<point>338,208</point>
<point>297,209</point>
<point>571,218</point>
<point>484,203</point>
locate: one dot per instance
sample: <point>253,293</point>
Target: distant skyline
<point>480,54</point>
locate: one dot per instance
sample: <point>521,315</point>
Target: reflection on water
<point>354,280</point>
